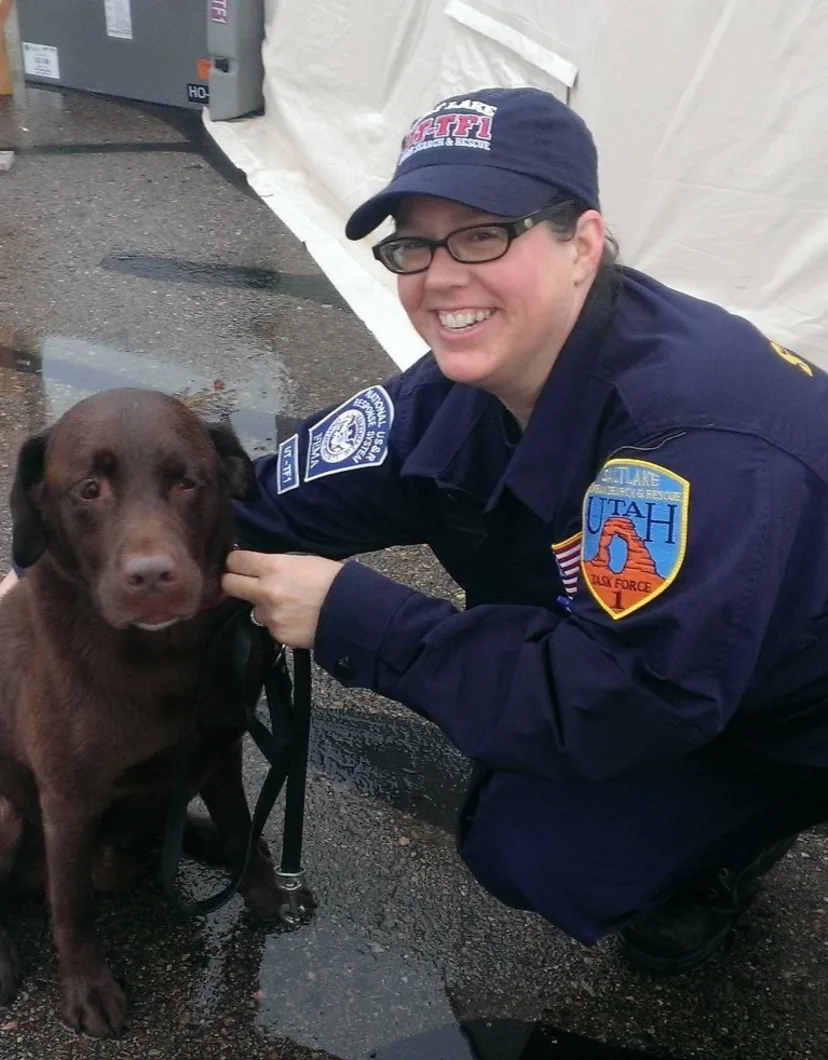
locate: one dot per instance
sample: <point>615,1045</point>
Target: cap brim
<point>487,188</point>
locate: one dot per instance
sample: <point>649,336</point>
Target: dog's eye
<point>187,482</point>
<point>90,490</point>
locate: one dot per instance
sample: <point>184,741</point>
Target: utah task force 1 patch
<point>354,435</point>
<point>634,533</point>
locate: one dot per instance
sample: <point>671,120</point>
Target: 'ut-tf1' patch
<point>634,533</point>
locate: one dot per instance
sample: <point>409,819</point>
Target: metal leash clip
<point>294,910</point>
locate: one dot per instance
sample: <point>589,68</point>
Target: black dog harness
<point>284,745</point>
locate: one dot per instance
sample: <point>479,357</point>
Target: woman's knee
<point>530,848</point>
<point>492,864</point>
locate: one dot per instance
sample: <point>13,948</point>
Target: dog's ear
<point>29,535</point>
<point>236,464</point>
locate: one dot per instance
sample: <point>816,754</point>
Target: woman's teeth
<point>463,319</point>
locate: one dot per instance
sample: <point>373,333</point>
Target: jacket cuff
<point>353,622</point>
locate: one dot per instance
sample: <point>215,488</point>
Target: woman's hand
<point>287,592</point>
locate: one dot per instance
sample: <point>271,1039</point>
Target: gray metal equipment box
<point>183,53</point>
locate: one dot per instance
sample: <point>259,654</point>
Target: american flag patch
<point>568,555</point>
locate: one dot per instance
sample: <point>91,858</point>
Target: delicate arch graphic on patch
<point>634,534</point>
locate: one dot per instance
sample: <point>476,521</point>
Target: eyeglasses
<point>471,245</point>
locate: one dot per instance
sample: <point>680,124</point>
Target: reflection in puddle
<point>399,761</point>
<point>324,987</point>
<point>504,1040</point>
<point>61,371</point>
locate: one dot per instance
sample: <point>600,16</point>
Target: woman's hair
<point>564,222</point>
<point>606,286</point>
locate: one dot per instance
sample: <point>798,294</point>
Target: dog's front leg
<point>91,1000</point>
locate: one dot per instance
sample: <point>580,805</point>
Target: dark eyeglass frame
<point>513,229</point>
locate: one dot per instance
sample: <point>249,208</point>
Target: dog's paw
<point>11,968</point>
<point>268,900</point>
<point>94,1004</point>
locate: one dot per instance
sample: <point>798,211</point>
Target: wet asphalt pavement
<point>131,253</point>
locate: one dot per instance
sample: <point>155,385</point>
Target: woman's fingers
<point>287,591</point>
<point>246,572</point>
<point>252,564</point>
<point>242,587</point>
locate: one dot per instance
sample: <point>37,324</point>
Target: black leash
<point>284,745</point>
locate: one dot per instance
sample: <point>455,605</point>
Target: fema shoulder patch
<point>634,534</point>
<point>354,435</point>
<point>287,477</point>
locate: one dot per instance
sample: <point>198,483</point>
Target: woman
<point>631,487</point>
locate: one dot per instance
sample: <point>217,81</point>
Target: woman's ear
<point>589,242</point>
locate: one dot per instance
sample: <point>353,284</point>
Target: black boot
<point>689,928</point>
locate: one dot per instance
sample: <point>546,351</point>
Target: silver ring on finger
<point>256,622</point>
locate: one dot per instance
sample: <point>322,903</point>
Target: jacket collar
<point>467,448</point>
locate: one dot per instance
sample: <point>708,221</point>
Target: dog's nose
<point>150,573</point>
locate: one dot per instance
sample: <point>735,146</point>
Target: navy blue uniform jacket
<point>645,567</point>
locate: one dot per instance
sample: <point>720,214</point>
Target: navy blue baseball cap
<point>505,151</point>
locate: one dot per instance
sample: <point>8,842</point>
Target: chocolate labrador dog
<point>122,514</point>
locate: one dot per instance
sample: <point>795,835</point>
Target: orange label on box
<point>204,66</point>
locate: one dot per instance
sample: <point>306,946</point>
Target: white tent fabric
<point>710,116</point>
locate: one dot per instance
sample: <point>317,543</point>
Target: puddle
<point>402,763</point>
<point>138,147</point>
<point>62,371</point>
<point>174,270</point>
<point>324,988</point>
